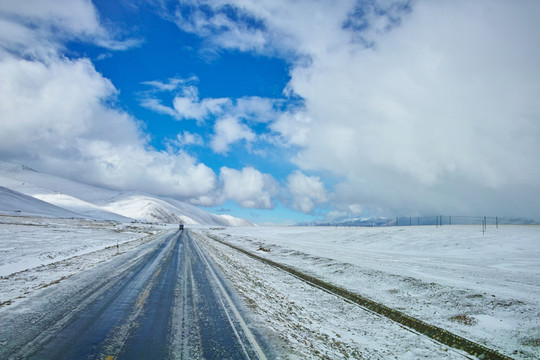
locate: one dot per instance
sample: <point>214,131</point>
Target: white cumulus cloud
<point>54,118</point>
<point>187,138</point>
<point>248,187</point>
<point>306,191</point>
<point>38,28</point>
<point>188,106</point>
<point>227,131</point>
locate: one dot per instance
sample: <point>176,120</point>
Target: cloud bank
<point>438,113</point>
<point>416,107</point>
<point>392,108</point>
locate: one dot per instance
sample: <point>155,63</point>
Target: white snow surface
<point>484,287</point>
<point>14,202</point>
<point>86,201</point>
<point>233,221</point>
<point>37,252</point>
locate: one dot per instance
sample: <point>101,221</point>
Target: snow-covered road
<point>163,299</point>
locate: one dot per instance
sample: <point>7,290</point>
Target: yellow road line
<point>145,294</point>
<point>147,291</point>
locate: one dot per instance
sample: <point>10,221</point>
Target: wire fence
<point>436,220</point>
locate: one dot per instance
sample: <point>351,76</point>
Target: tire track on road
<point>227,303</point>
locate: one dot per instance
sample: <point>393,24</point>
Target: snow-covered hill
<point>27,192</point>
<point>14,202</point>
<point>235,221</point>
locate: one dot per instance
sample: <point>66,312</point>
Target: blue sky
<point>166,53</point>
<point>281,111</point>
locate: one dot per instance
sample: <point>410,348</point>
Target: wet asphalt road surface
<point>170,303</point>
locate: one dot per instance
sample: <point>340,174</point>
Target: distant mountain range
<point>24,191</point>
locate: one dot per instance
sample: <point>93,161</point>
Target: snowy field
<point>484,287</point>
<point>37,252</point>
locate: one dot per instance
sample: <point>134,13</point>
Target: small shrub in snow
<point>464,319</point>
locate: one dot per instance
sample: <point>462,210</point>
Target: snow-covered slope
<point>30,182</point>
<point>83,207</point>
<point>202,216</point>
<point>77,199</point>
<point>232,221</point>
<point>148,208</point>
<point>14,202</point>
